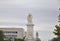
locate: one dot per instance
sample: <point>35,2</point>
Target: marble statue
<point>29,18</point>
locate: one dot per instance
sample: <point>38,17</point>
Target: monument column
<point>30,25</point>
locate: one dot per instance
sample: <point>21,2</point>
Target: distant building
<point>11,33</point>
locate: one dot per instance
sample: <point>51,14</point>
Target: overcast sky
<point>44,12</point>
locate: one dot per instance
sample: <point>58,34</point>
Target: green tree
<point>1,36</point>
<point>57,33</point>
<point>20,39</point>
<point>56,39</point>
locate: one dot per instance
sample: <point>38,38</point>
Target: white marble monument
<point>30,25</point>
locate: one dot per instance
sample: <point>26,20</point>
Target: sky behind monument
<point>44,12</point>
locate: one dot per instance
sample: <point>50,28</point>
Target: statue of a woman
<point>29,18</point>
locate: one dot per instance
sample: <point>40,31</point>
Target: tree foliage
<point>57,33</point>
<point>1,36</point>
<point>57,30</point>
<point>56,39</point>
<point>20,39</point>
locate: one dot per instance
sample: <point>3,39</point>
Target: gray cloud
<point>29,3</point>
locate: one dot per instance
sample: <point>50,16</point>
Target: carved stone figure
<point>29,18</point>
